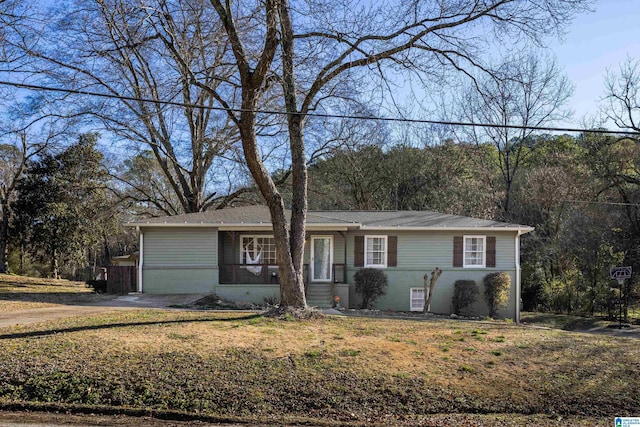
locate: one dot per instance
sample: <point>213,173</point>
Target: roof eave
<point>262,226</point>
<point>520,230</point>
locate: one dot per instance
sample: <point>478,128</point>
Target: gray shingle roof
<point>259,216</point>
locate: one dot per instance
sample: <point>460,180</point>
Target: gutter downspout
<point>141,259</point>
<point>518,282</point>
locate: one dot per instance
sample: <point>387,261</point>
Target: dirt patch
<point>479,420</point>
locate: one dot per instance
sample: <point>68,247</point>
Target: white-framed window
<point>475,248</point>
<point>417,299</point>
<point>375,251</point>
<point>258,249</point>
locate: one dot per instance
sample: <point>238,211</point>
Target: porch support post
<point>140,260</point>
<point>234,275</point>
<point>517,279</point>
<point>344,265</point>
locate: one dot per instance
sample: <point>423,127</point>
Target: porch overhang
<point>269,227</point>
<point>262,226</point>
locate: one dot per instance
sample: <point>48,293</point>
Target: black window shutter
<point>491,251</point>
<point>392,260</point>
<point>458,252</point>
<point>358,255</point>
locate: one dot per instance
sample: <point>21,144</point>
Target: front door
<point>321,258</point>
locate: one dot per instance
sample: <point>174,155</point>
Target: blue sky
<point>596,42</point>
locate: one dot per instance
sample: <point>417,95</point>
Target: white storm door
<point>321,258</point>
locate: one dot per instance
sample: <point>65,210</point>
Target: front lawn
<point>567,322</point>
<point>19,293</point>
<point>331,370</point>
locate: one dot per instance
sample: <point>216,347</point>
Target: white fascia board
<point>266,226</point>
<point>262,226</point>
<point>333,227</point>
<point>168,224</point>
<point>519,230</point>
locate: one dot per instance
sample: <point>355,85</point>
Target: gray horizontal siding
<point>426,249</point>
<point>179,260</point>
<point>338,246</point>
<point>421,252</point>
<point>180,247</point>
<point>157,280</point>
<point>401,281</point>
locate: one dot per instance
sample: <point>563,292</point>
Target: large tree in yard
<point>300,57</point>
<point>313,47</point>
<point>27,128</point>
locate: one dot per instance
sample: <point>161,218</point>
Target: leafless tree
<point>248,56</point>
<point>333,40</point>
<point>154,60</point>
<point>621,103</point>
<point>524,91</point>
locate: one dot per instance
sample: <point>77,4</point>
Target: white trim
<point>518,282</point>
<point>312,256</point>
<point>140,261</point>
<point>424,300</point>
<point>522,230</point>
<point>269,228</point>
<point>386,250</point>
<point>261,226</point>
<point>484,251</point>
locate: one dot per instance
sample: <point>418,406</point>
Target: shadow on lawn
<point>65,298</point>
<point>32,334</point>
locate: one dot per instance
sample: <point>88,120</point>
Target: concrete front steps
<point>319,295</point>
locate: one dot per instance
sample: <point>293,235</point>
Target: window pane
<point>258,250</point>
<point>474,251</point>
<point>377,258</point>
<point>322,258</point>
<point>417,299</point>
<point>375,251</point>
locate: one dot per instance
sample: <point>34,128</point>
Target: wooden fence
<point>122,280</point>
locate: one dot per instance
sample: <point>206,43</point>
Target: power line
<point>318,115</point>
<point>595,202</point>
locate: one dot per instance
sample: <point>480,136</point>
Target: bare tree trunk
<point>22,255</point>
<point>289,237</point>
<point>4,238</point>
<point>294,293</point>
<point>54,264</point>
<point>435,275</point>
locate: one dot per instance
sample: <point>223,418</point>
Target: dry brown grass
<point>10,280</point>
<point>495,366</point>
<point>20,293</point>
<point>333,368</point>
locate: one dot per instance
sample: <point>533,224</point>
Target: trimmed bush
<point>496,291</point>
<point>370,284</point>
<point>99,286</point>
<point>465,293</point>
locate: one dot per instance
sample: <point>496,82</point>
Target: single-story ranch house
<point>231,252</point>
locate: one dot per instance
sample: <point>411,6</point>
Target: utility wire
<point>319,115</point>
<point>595,202</point>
